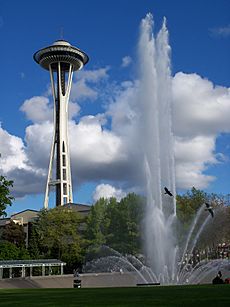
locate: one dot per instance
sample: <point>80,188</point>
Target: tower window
<point>64,174</point>
<point>64,188</point>
<point>63,160</point>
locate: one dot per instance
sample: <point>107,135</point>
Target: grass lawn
<point>199,295</point>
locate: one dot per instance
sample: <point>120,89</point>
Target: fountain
<point>165,261</point>
<point>157,143</point>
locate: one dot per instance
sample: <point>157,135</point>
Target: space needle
<point>61,60</point>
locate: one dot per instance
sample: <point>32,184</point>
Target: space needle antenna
<point>62,33</point>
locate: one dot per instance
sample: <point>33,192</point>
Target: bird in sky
<point>167,191</point>
<point>209,209</point>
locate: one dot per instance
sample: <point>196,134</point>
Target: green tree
<point>96,223</point>
<point>14,233</point>
<point>189,203</point>
<point>9,251</point>
<point>5,197</point>
<point>59,237</point>
<point>33,242</point>
<point>125,221</point>
<point>218,229</point>
<point>117,224</point>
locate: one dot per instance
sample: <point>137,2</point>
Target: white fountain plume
<point>156,140</point>
<point>153,135</point>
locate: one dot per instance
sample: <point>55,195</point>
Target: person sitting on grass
<point>218,279</point>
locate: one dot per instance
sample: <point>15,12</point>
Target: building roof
<point>25,216</point>
<point>4,221</point>
<point>24,211</point>
<point>29,263</point>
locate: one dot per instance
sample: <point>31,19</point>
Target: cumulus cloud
<point>107,191</point>
<point>123,108</point>
<point>201,113</point>
<point>200,108</point>
<point>86,84</point>
<point>104,147</point>
<point>89,136</point>
<point>15,164</point>
<point>95,151</point>
<point>126,61</point>
<point>74,109</point>
<point>12,152</point>
<point>37,109</point>
<point>38,144</point>
<point>193,156</point>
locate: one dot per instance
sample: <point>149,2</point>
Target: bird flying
<point>167,191</point>
<point>209,209</point>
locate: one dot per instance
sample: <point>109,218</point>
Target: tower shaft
<point>61,80</point>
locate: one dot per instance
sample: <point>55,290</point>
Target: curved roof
<point>61,51</point>
<point>61,42</point>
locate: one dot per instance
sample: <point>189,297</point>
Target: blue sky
<point>108,31</point>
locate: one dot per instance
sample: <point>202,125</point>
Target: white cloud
<point>85,86</point>
<point>15,165</point>
<point>126,61</point>
<point>123,109</point>
<point>37,109</point>
<point>193,156</point>
<point>38,140</point>
<point>95,151</point>
<point>200,108</point>
<point>190,175</point>
<point>12,152</point>
<point>200,112</point>
<point>107,191</point>
<point>93,143</point>
<point>81,91</point>
<point>74,109</point>
<point>221,31</point>
<point>93,76</point>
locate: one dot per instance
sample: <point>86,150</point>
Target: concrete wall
<point>87,280</point>
<point>108,280</point>
<point>66,281</point>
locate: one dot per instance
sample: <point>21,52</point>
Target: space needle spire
<point>61,60</point>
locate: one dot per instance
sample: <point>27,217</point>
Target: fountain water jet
<point>157,142</point>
